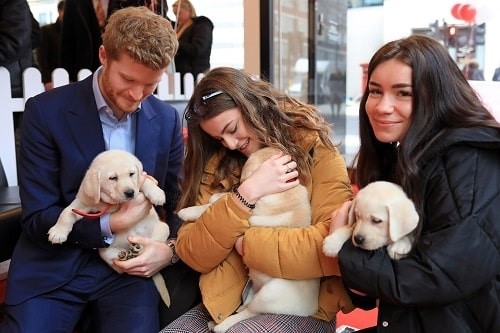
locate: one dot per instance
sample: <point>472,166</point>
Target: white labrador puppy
<point>113,178</point>
<point>290,208</point>
<point>381,214</point>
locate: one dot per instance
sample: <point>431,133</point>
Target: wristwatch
<point>175,257</point>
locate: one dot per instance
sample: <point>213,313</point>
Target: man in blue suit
<point>50,286</point>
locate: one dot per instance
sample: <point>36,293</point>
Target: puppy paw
<point>334,242</point>
<point>155,195</point>
<point>331,246</point>
<point>399,249</point>
<point>192,213</point>
<point>187,214</point>
<point>182,214</point>
<point>58,234</point>
<point>211,325</point>
<point>133,251</point>
<point>221,328</point>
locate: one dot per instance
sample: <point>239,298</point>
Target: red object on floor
<point>3,285</point>
<point>358,318</point>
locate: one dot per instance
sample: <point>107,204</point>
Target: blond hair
<point>146,37</point>
<point>186,4</point>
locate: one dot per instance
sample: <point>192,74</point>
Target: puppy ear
<point>91,187</point>
<point>138,173</point>
<point>139,166</point>
<point>352,214</point>
<point>403,218</point>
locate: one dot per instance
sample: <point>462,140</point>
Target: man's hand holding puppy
<point>129,213</point>
<point>151,260</point>
<point>154,253</point>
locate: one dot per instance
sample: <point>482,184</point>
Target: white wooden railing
<point>168,90</point>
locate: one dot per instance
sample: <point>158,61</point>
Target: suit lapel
<point>148,132</point>
<point>84,123</point>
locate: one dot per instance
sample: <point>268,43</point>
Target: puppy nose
<point>129,194</point>
<point>358,240</point>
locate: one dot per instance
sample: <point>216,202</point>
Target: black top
<point>451,281</point>
<point>195,47</point>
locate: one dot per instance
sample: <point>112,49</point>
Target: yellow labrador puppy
<point>290,208</point>
<point>113,178</point>
<point>381,214</point>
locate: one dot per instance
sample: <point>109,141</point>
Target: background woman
<point>195,39</point>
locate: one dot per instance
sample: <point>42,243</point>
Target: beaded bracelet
<point>240,197</point>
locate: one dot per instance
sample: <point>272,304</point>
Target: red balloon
<point>468,13</point>
<point>455,10</point>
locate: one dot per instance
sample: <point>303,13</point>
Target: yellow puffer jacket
<point>207,244</point>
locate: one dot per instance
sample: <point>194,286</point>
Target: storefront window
<point>309,57</point>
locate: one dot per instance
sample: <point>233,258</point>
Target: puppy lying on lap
<point>290,208</point>
<point>381,214</point>
<point>113,178</point>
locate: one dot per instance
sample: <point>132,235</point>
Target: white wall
<point>365,29</point>
<point>228,36</point>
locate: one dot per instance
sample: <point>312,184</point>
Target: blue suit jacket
<point>62,134</point>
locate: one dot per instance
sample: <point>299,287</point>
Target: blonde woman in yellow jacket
<point>229,116</point>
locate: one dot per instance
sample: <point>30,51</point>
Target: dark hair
<point>442,98</point>
<point>160,7</point>
<point>60,5</point>
<point>277,119</point>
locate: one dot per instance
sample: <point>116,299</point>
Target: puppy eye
<point>113,178</point>
<point>132,174</point>
<point>376,220</point>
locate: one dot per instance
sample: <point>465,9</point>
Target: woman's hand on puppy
<point>339,219</point>
<point>155,256</point>
<point>277,174</point>
<point>340,216</point>
<point>238,246</point>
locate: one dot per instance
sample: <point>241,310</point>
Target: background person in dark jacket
<point>496,75</point>
<point>195,39</point>
<point>80,37</point>
<point>15,41</point>
<point>48,51</point>
<point>160,7</point>
<point>472,71</point>
<point>19,35</point>
<point>423,127</point>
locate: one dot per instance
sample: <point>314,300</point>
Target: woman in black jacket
<point>195,39</point>
<point>423,127</point>
<point>80,38</point>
